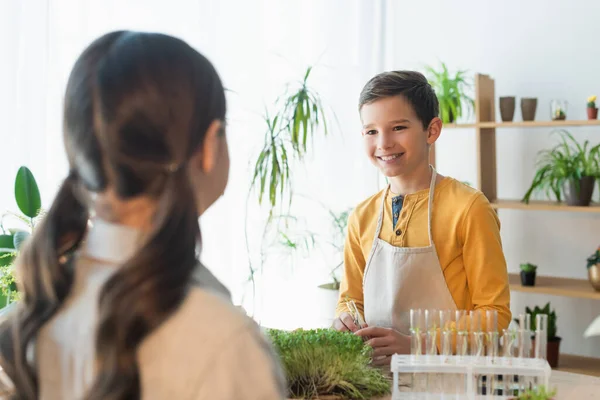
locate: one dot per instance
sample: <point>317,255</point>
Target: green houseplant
<point>553,344</point>
<point>568,169</point>
<point>324,363</point>
<point>295,118</point>
<point>593,268</point>
<point>528,274</point>
<point>27,197</point>
<point>451,92</point>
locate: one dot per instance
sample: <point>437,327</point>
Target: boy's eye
<point>371,132</point>
<point>399,128</point>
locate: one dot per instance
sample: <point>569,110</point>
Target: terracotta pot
<point>592,113</point>
<point>507,108</point>
<point>594,276</point>
<point>583,196</point>
<point>528,108</point>
<point>552,351</point>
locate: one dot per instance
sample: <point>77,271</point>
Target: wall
<point>536,48</point>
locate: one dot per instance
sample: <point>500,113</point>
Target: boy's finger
<point>348,321</point>
<point>372,331</point>
<point>381,341</point>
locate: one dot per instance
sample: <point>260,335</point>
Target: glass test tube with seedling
<point>477,335</point>
<point>432,326</point>
<point>447,332</point>
<point>491,322</point>
<point>462,333</point>
<point>417,325</point>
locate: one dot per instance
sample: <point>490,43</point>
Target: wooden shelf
<point>569,287</point>
<point>524,124</point>
<point>544,206</point>
<point>579,365</point>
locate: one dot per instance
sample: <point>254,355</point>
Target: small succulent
<point>528,267</point>
<point>591,102</point>
<point>594,258</point>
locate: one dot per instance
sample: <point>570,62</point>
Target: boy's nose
<point>384,141</point>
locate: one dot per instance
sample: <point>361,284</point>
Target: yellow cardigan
<point>466,234</point>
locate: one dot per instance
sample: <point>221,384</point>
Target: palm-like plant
<point>300,114</point>
<point>566,163</point>
<point>451,92</point>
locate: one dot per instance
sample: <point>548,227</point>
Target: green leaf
<point>27,193</point>
<point>7,242</point>
<point>6,257</point>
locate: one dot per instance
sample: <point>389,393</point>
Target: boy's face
<point>394,137</point>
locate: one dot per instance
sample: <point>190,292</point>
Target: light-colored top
<point>208,349</point>
<point>466,233</point>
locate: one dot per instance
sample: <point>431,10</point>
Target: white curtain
<point>257,46</point>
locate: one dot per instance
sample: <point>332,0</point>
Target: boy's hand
<point>345,323</point>
<point>385,343</point>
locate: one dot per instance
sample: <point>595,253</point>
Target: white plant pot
<point>326,300</point>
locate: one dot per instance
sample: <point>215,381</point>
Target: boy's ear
<point>434,130</point>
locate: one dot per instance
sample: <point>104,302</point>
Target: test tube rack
<point>468,368</point>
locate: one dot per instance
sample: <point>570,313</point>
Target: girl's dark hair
<point>411,85</point>
<point>137,107</point>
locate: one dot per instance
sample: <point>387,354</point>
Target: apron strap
<point>430,203</point>
<point>380,219</point>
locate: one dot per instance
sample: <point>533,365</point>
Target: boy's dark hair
<point>412,85</point>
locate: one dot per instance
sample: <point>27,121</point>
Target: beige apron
<point>400,278</point>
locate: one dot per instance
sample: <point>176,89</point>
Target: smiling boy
<point>426,241</point>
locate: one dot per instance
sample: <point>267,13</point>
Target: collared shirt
<point>466,235</point>
<point>207,349</point>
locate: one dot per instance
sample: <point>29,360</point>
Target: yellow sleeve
<point>484,261</point>
<point>351,286</point>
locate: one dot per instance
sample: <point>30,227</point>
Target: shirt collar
<point>111,242</point>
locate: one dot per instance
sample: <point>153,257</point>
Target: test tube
<point>477,335</point>
<point>462,333</point>
<point>417,326</point>
<point>491,324</point>
<point>508,342</point>
<point>447,331</point>
<point>541,335</point>
<point>432,325</point>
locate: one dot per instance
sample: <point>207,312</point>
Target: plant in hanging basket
<point>592,110</point>
<point>568,169</point>
<point>325,362</point>
<point>528,274</point>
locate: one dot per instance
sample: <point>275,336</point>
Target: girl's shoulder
<point>198,339</point>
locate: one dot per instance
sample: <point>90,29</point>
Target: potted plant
<point>326,364</point>
<point>528,274</point>
<point>27,197</point>
<point>553,342</point>
<point>559,110</point>
<point>593,267</point>
<point>295,118</point>
<point>568,168</point>
<point>451,92</point>
<point>592,110</point>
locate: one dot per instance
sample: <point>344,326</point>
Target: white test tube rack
<point>468,367</point>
